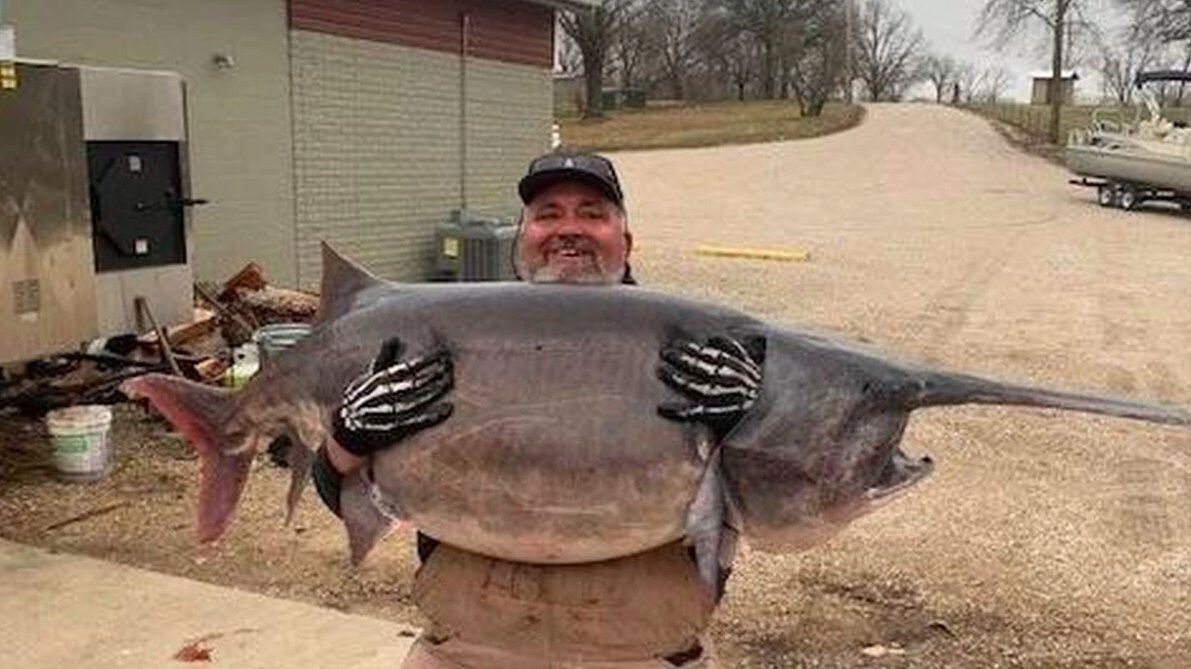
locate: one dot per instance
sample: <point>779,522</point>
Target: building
<point>1040,91</point>
<point>360,123</point>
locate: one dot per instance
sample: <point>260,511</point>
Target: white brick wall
<point>377,150</point>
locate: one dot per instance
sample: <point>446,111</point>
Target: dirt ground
<point>1042,540</point>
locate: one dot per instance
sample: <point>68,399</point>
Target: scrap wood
<point>232,318</point>
<point>211,369</point>
<point>204,321</point>
<point>252,277</point>
<point>79,517</point>
<point>275,305</point>
<point>142,306</point>
<point>80,386</point>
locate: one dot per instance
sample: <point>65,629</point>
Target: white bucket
<point>80,438</point>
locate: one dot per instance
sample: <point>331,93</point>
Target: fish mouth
<point>900,472</point>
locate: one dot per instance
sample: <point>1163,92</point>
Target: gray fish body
<point>555,452</point>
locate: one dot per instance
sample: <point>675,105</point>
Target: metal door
<point>137,208</point>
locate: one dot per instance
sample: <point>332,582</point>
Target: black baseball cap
<point>590,168</point>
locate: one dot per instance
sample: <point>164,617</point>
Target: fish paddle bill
<point>201,413</point>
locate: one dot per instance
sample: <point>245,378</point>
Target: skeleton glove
<point>393,399</point>
<point>721,378</point>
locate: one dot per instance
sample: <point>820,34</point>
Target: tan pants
<point>628,613</point>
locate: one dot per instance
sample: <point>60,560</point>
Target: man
<point>638,612</point>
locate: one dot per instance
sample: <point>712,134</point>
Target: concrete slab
<point>70,611</point>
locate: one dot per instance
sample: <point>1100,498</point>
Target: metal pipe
<point>464,36</point>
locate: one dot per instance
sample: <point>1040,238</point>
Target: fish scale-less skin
<point>555,451</point>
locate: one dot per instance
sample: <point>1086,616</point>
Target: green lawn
<point>707,124</point>
<point>1035,119</point>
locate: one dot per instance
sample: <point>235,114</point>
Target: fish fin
<point>366,516</point>
<point>201,412</point>
<point>705,524</point>
<point>342,281</point>
<point>943,389</point>
<point>300,460</point>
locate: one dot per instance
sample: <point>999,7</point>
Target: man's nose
<point>569,224</point>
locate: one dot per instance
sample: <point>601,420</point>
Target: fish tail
<point>942,389</point>
<point>201,413</point>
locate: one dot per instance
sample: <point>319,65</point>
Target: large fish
<point>555,452</point>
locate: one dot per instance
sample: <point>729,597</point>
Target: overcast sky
<point>949,26</point>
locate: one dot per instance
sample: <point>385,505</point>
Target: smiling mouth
<point>900,472</point>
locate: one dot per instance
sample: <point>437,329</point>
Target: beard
<point>570,259</point>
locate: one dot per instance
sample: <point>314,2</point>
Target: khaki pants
<point>628,613</point>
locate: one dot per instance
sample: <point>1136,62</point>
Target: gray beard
<point>595,273</point>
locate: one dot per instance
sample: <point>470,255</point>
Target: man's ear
<point>628,244</point>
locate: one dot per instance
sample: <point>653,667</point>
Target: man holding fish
<point>649,610</point>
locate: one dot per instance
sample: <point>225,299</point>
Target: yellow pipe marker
<point>794,255</point>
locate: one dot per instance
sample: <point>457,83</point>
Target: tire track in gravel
<point>948,311</point>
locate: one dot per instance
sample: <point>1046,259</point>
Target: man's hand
<point>721,378</point>
<point>393,399</point>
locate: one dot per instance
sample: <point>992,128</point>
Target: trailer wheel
<point>1129,198</point>
<point>1106,195</point>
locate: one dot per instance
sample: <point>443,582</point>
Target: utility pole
<point>8,46</point>
<point>848,6</point>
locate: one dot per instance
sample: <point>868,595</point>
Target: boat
<point>1130,163</point>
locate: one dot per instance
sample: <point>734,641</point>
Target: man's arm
<point>391,400</point>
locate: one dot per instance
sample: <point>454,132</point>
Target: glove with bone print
<point>721,379</point>
<point>393,399</point>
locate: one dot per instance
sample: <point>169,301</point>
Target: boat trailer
<point>1129,195</point>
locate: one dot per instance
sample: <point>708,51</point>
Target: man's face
<point>570,232</point>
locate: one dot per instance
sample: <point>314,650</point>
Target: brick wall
<point>377,146</point>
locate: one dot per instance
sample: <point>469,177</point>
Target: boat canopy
<point>1161,75</point>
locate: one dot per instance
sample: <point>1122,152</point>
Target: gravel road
<point>1042,540</point>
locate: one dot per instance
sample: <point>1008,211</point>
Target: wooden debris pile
<point>224,317</point>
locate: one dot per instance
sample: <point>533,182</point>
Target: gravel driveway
<point>1043,539</point>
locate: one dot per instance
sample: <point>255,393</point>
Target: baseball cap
<point>590,168</point>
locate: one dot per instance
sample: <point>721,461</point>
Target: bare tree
<point>593,30</point>
<point>993,83</point>
<point>818,61</point>
<point>766,21</point>
<point>569,58</point>
<point>941,71</point>
<point>1009,20</point>
<point>733,54</point>
<point>888,50</point>
<point>1169,20</point>
<point>674,24</point>
<point>1133,52</point>
<point>969,79</point>
<point>632,47</point>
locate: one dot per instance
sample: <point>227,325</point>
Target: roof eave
<point>568,4</point>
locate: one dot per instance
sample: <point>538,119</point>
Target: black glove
<point>389,401</point>
<point>393,399</point>
<point>721,378</point>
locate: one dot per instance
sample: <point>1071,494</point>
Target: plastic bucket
<point>275,338</point>
<point>79,435</point>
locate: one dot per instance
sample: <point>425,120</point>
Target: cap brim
<point>533,184</point>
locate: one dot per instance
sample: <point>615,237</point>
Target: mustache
<point>569,243</point>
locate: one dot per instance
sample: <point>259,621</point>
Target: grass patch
<point>707,124</point>
<point>1034,120</point>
